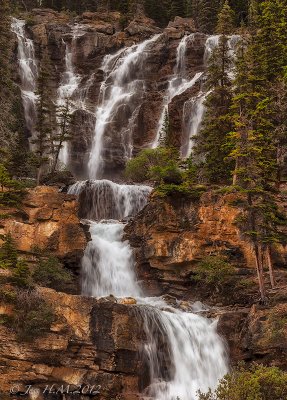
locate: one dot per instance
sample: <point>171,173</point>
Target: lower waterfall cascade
<point>194,351</point>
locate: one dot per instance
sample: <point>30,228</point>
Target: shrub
<point>52,274</point>
<point>257,382</point>
<point>214,270</point>
<point>8,253</point>
<point>159,165</point>
<point>33,317</point>
<point>21,276</point>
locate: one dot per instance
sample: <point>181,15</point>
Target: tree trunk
<point>270,266</point>
<point>39,173</point>
<point>234,181</point>
<point>56,157</point>
<point>259,269</point>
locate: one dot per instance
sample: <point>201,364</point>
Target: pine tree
<point>7,92</point>
<point>211,149</point>
<point>165,130</point>
<point>43,140</point>
<point>64,131</point>
<point>258,137</point>
<point>226,18</point>
<point>205,13</point>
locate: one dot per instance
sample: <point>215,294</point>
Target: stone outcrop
<point>47,220</point>
<point>91,343</point>
<point>171,235</point>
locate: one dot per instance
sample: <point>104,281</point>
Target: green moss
<point>214,270</point>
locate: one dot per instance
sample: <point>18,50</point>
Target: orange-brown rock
<point>171,235</point>
<point>91,342</point>
<point>48,220</point>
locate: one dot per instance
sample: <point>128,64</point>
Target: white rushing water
<point>178,83</point>
<point>69,85</point>
<point>194,108</point>
<point>123,86</point>
<point>183,350</point>
<point>108,200</point>
<point>107,263</point>
<point>28,73</point>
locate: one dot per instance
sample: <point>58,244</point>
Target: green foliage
<point>212,146</point>
<point>158,165</point>
<point>33,317</point>
<point>226,18</point>
<point>255,383</point>
<point>214,270</point>
<point>21,276</point>
<point>8,253</point>
<point>50,273</point>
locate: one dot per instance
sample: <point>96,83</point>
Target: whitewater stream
<point>194,356</point>
<point>195,352</point>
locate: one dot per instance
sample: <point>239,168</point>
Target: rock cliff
<point>47,220</point>
<point>88,40</point>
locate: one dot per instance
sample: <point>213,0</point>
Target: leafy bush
<point>255,383</point>
<point>214,270</point>
<point>50,273</point>
<point>185,189</point>
<point>33,317</point>
<point>159,165</point>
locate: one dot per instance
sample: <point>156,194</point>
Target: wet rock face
<point>49,221</point>
<point>98,35</point>
<point>91,343</point>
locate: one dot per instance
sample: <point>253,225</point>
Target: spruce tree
<point>260,128</point>
<point>7,92</point>
<point>43,140</point>
<point>226,18</point>
<point>211,148</point>
<point>63,134</point>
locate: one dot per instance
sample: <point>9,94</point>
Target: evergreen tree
<point>165,131</point>
<point>226,17</point>
<point>64,131</point>
<point>7,92</point>
<point>205,14</point>
<point>258,137</point>
<point>211,143</point>
<point>45,109</point>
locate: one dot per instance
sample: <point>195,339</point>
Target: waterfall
<point>105,199</point>
<point>195,106</point>
<point>183,350</point>
<point>122,89</point>
<point>107,263</point>
<point>193,350</point>
<point>28,73</point>
<point>69,85</point>
<point>178,83</point>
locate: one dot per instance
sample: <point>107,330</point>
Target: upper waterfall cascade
<point>178,83</point>
<point>28,72</point>
<point>122,89</point>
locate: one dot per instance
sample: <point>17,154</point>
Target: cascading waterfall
<point>28,73</point>
<point>193,350</point>
<point>178,84</point>
<point>195,107</point>
<point>69,85</point>
<point>184,352</point>
<point>105,199</point>
<point>121,89</point>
